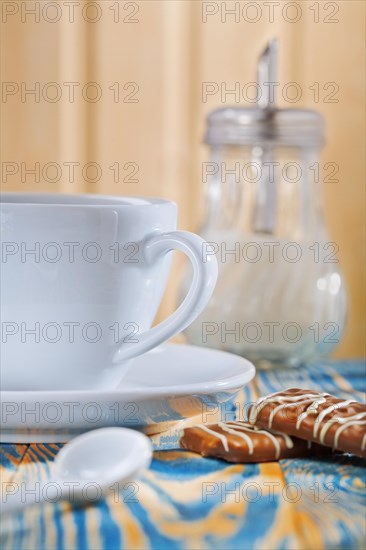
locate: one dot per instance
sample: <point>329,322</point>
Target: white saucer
<point>168,384</point>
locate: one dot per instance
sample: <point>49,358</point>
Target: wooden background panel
<point>29,129</point>
<point>151,127</point>
<point>337,54</point>
<point>169,51</point>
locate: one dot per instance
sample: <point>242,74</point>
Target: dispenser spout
<point>267,76</point>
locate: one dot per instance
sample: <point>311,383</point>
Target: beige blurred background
<point>149,60</point>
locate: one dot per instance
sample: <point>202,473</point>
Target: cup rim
<point>83,200</point>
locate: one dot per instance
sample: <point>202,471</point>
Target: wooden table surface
<point>186,501</point>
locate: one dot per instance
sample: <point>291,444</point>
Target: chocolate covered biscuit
<point>240,442</point>
<point>314,416</point>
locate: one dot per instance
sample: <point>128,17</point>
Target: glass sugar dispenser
<point>280,299</point>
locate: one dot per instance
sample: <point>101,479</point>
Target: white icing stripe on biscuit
<point>326,411</point>
<point>282,399</point>
<point>275,443</point>
<point>243,426</point>
<point>235,428</point>
<point>247,439</point>
<point>344,427</point>
<point>288,441</point>
<point>250,428</point>
<point>345,423</point>
<point>314,400</point>
<point>312,409</point>
<point>222,437</point>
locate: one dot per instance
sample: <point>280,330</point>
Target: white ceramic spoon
<point>86,468</point>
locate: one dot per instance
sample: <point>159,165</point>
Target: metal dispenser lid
<point>265,122</point>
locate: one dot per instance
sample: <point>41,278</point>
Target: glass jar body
<point>280,297</point>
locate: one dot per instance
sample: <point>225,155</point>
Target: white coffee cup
<point>82,277</point>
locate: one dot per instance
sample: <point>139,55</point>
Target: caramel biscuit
<point>314,416</point>
<point>241,442</point>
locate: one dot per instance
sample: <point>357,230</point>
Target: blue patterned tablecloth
<point>185,501</point>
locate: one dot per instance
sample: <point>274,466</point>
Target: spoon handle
<point>17,496</point>
<point>267,76</point>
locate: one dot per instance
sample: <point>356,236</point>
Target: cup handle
<point>199,293</point>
